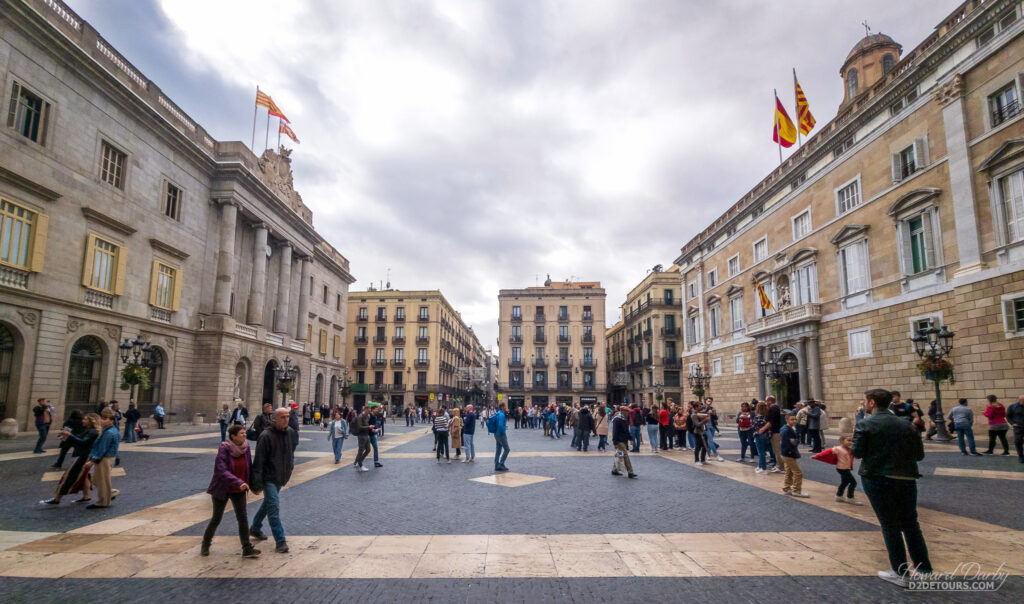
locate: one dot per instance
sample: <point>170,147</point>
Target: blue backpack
<point>492,424</point>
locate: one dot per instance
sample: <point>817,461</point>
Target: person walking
<point>651,419</point>
<point>761,430</point>
<point>240,415</point>
<point>455,427</point>
<point>230,481</point>
<point>699,421</point>
<point>364,425</point>
<point>441,436</point>
<point>468,431</point>
<point>76,479</point>
<point>997,426</point>
<point>102,455</point>
<point>774,417</point>
<point>601,428</point>
<point>131,420</point>
<point>743,429</point>
<point>263,421</point>
<point>377,425</point>
<point>585,424</point>
<point>889,449</point>
<point>636,420</point>
<point>1015,417</point>
<point>158,415</point>
<point>72,425</point>
<point>496,425</point>
<point>271,469</point>
<point>43,420</point>
<point>222,418</point>
<point>963,422</point>
<point>813,429</point>
<point>621,435</point>
<point>793,482</point>
<point>337,432</point>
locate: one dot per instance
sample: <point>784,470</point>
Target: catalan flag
<point>284,129</point>
<point>784,132</point>
<point>803,111</point>
<point>766,302</point>
<point>263,100</point>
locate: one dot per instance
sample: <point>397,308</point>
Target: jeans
<point>501,450</point>
<point>967,431</point>
<point>577,435</point>
<point>271,510</point>
<point>130,435</point>
<point>441,438</point>
<point>634,437</point>
<point>238,504</point>
<point>652,436</point>
<point>692,439</point>
<point>763,442</point>
<point>584,441</point>
<point>467,443</point>
<point>801,434</point>
<point>746,440</point>
<point>223,433</point>
<point>895,505</point>
<point>846,481</point>
<point>602,442</point>
<point>681,438</point>
<point>43,429</point>
<point>712,447</point>
<point>336,444</point>
<point>373,443</point>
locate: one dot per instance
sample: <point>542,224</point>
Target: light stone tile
<point>111,544</point>
<point>168,545</point>
<point>864,562</point>
<point>737,564</point>
<point>311,565</point>
<point>10,559</point>
<point>970,473</point>
<point>662,564</point>
<point>640,542</point>
<point>517,544</point>
<point>848,540</point>
<point>161,528</point>
<point>381,566</point>
<point>61,542</point>
<point>593,564</point>
<point>766,541</point>
<point>343,544</point>
<point>399,544</point>
<point>112,526</point>
<point>186,565</point>
<point>806,563</point>
<point>54,565</point>
<point>119,566</point>
<point>511,479</point>
<point>457,544</point>
<point>579,543</point>
<point>520,565</point>
<point>450,565</point>
<point>704,542</point>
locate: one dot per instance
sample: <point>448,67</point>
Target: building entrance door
<point>268,383</point>
<point>790,381</point>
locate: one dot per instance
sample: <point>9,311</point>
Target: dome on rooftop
<point>871,41</point>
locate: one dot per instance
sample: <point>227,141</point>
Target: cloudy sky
<point>476,145</point>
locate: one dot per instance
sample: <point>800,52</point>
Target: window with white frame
<point>1011,204</point>
<point>860,342</point>
<point>693,368</point>
<point>692,331</point>
<point>712,278</point>
<point>804,281</point>
<point>734,265</point>
<point>692,289</point>
<point>918,240</point>
<point>29,114</point>
<point>379,355</point>
<point>1013,314</point>
<point>736,312</point>
<point>738,365</point>
<point>714,321</point>
<point>854,269</point>
<point>923,322</point>
<point>112,164</point>
<point>909,160</point>
<point>848,196</point>
<point>1003,104</point>
<point>760,249</point>
<point>716,366</point>
<point>801,224</point>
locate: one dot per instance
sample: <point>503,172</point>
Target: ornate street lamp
<point>700,382</point>
<point>285,378</point>
<point>344,387</point>
<point>933,345</point>
<point>139,360</point>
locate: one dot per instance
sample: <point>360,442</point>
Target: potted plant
<point>937,370</point>
<point>285,387</point>
<point>134,375</point>
<point>778,388</point>
<point>698,391</point>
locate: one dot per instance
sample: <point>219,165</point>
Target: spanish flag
<point>263,100</point>
<point>287,131</point>
<point>803,110</point>
<point>766,302</point>
<point>784,131</point>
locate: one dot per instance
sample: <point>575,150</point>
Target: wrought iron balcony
<point>540,338</point>
<point>361,340</point>
<point>588,317</point>
<point>517,318</point>
<point>423,318</point>
<point>538,318</point>
<point>564,339</point>
<point>362,318</point>
<point>564,363</point>
<point>647,334</point>
<point>515,339</point>
<point>588,338</point>
<point>380,318</point>
<point>380,362</point>
<point>398,362</point>
<point>422,362</point>
<point>672,363</point>
<point>540,363</point>
<point>515,362</point>
<point>359,363</point>
<point>398,340</point>
<point>380,339</point>
<point>670,332</point>
<point>422,341</point>
<point>589,363</point>
<point>400,318</point>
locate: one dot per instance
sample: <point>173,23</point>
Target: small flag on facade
<point>287,131</point>
<point>803,110</point>
<point>766,302</point>
<point>263,100</point>
<point>784,131</point>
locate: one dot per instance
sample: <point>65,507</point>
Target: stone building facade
<point>551,344</point>
<point>411,348</point>
<point>647,346</point>
<point>132,221</point>
<point>904,211</point>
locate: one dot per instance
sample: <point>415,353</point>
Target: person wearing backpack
<point>496,426</point>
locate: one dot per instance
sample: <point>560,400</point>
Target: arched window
<point>888,62</point>
<point>6,365</point>
<point>84,371</point>
<point>319,392</point>
<point>333,390</point>
<point>851,84</point>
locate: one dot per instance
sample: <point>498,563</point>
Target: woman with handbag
<point>455,429</point>
<point>230,482</point>
<point>76,479</point>
<point>997,426</point>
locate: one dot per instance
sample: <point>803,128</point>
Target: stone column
<point>284,283</point>
<point>761,390</point>
<point>801,357</point>
<point>300,328</point>
<point>814,367</point>
<point>225,258</point>
<point>965,216</point>
<point>258,289</point>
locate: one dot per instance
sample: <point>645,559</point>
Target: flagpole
<point>266,139</point>
<point>255,110</point>
<point>797,101</point>
<point>278,133</point>
<point>778,131</point>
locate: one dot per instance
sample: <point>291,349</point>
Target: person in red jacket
<point>665,427</point>
<point>997,426</point>
<point>230,482</point>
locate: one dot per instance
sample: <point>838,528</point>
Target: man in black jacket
<point>585,424</point>
<point>620,439</point>
<point>889,449</point>
<point>271,469</point>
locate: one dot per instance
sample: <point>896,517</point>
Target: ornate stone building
<point>551,344</point>
<point>904,211</point>
<point>122,217</point>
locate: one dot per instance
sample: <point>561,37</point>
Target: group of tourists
<point>93,441</point>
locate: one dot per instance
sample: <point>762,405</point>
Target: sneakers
<point>449,461</point>
<point>892,577</point>
<point>438,461</point>
<point>774,470</point>
<point>363,469</point>
<point>758,471</point>
<point>282,548</point>
<point>466,460</point>
<point>701,463</point>
<point>840,499</point>
<point>50,501</point>
<point>632,475</point>
<point>852,501</point>
<point>377,464</point>
<point>257,534</point>
<point>786,490</point>
<point>799,494</point>
<point>719,458</point>
<point>741,460</point>
<point>976,454</point>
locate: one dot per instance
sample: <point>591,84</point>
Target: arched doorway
<point>333,391</point>
<point>268,382</point>
<point>6,368</point>
<point>147,399</point>
<point>84,370</point>
<point>318,394</point>
<point>790,381</point>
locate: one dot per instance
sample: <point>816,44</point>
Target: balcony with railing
<point>362,318</point>
<point>786,316</point>
<point>673,363</point>
<point>563,316</point>
<point>539,338</point>
<point>515,362</point>
<point>517,318</point>
<point>380,339</point>
<point>515,339</point>
<point>421,386</point>
<point>359,363</point>
<point>539,318</point>
<point>361,340</point>
<point>398,340</point>
<point>564,363</point>
<point>565,386</point>
<point>380,318</point>
<point>1005,112</point>
<point>589,363</point>
<point>564,339</point>
<point>380,362</point>
<point>422,341</point>
<point>542,363</point>
<point>423,318</point>
<point>398,363</point>
<point>422,363</point>
<point>648,333</point>
<point>398,388</point>
<point>588,317</point>
<point>670,332</point>
<point>589,387</point>
<point>399,318</point>
<point>588,338</point>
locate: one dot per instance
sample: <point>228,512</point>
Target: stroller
<point>140,431</point>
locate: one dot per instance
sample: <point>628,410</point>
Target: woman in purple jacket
<point>231,481</point>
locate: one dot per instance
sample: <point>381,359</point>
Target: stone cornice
<point>29,186</point>
<point>107,221</point>
<point>168,249</point>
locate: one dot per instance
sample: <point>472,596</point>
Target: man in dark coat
<point>271,469</point>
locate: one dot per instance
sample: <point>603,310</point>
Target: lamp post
<point>344,387</point>
<point>771,367</point>
<point>933,345</point>
<point>700,382</point>
<point>137,353</point>
<point>285,374</point>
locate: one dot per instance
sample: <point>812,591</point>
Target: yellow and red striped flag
<point>766,302</point>
<point>263,100</point>
<point>784,132</point>
<point>287,131</point>
<point>803,111</point>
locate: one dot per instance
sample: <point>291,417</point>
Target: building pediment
<point>760,277</point>
<point>108,221</point>
<point>1010,151</point>
<point>849,232</point>
<point>912,200</point>
<point>734,290</point>
<point>804,253</point>
<point>713,299</point>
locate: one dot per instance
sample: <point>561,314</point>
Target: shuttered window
<point>22,237</point>
<point>104,266</point>
<point>853,261</point>
<point>1011,193</point>
<point>165,287</point>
